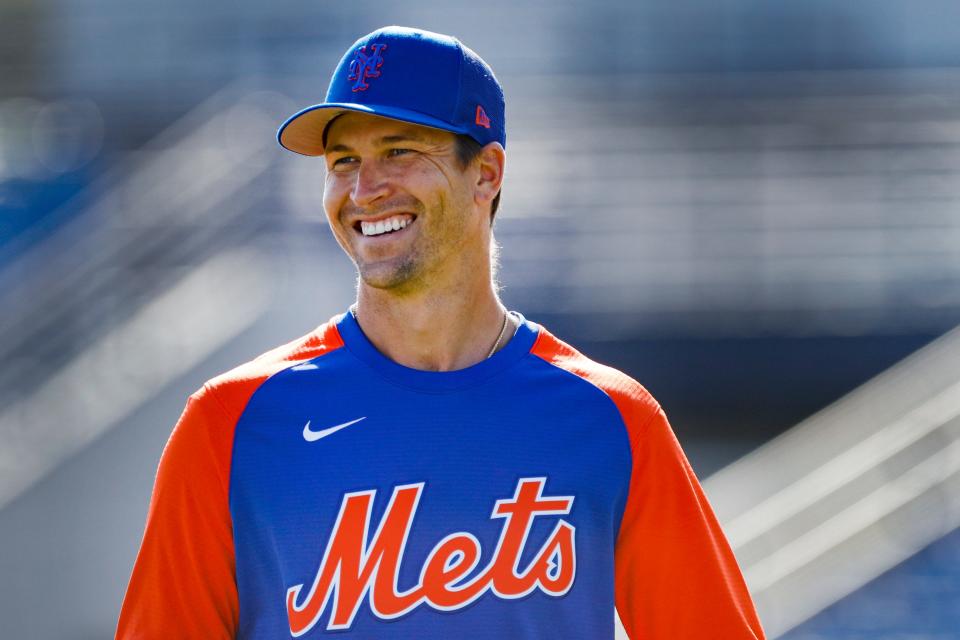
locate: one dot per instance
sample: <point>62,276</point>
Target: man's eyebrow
<point>385,140</point>
<point>403,137</point>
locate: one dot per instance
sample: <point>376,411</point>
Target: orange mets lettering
<point>352,570</point>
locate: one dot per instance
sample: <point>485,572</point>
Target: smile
<point>387,225</point>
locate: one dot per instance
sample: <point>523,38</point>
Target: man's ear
<point>491,161</point>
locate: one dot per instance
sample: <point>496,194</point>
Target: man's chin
<point>397,277</point>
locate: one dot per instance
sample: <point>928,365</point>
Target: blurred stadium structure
<point>849,493</point>
<point>753,209</point>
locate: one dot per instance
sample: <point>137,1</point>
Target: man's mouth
<point>385,226</point>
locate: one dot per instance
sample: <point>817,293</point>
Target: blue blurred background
<point>752,207</point>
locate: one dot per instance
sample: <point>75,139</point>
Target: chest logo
<point>353,569</point>
<point>312,436</point>
<point>365,65</point>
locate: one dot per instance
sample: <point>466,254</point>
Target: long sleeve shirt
<point>324,489</point>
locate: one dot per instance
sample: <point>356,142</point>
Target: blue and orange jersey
<point>323,489</point>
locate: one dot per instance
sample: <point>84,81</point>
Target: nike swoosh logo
<point>313,436</point>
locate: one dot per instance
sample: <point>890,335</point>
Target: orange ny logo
<point>364,66</point>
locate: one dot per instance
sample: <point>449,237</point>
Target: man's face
<point>398,201</point>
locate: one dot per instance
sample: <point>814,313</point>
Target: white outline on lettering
<point>554,570</point>
<point>365,557</point>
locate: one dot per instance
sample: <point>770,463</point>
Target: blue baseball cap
<point>410,75</point>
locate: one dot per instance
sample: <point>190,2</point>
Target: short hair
<point>467,150</point>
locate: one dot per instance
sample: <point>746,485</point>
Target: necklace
<point>493,349</point>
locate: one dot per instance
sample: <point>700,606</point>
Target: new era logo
<point>482,118</point>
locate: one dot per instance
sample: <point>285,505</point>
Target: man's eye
<point>344,161</point>
<point>400,152</point>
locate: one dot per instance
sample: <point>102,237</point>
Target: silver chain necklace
<point>493,349</point>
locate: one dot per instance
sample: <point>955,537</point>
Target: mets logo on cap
<point>366,65</point>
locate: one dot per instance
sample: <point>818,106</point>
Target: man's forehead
<point>350,129</point>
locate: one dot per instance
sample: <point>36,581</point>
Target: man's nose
<point>371,184</point>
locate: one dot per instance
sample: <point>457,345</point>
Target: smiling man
<point>427,464</point>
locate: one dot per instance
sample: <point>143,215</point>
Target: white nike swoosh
<point>312,436</point>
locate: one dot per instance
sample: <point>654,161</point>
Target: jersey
<point>324,489</point>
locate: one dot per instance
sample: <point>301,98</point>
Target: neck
<point>435,330</point>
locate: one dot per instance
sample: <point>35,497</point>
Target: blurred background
<point>752,207</point>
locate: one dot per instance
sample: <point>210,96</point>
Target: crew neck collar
<point>438,381</point>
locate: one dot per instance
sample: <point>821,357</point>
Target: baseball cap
<point>406,74</point>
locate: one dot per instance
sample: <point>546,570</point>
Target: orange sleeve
<point>676,576</point>
<point>184,582</point>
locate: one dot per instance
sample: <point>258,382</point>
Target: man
<point>428,464</point>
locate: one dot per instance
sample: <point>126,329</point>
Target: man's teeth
<point>382,226</point>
